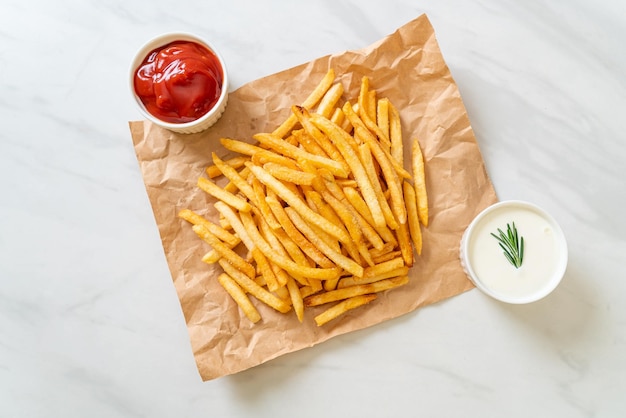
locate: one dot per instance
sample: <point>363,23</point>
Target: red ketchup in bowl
<point>179,82</point>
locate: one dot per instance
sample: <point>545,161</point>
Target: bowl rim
<point>164,39</point>
<point>561,265</point>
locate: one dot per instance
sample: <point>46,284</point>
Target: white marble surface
<point>90,325</point>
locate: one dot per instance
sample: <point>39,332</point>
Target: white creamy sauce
<point>541,253</point>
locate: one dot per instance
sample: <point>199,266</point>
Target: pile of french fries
<point>320,211</point>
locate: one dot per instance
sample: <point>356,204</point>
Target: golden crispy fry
<point>239,296</point>
<point>412,215</point>
<point>371,105</point>
<point>240,146</point>
<point>221,194</point>
<point>352,281</point>
<point>404,242</point>
<point>315,96</point>
<point>235,162</point>
<point>226,253</point>
<point>357,290</point>
<point>395,134</point>
<point>343,307</point>
<point>250,286</point>
<point>298,204</point>
<point>420,182</point>
<point>287,174</point>
<point>328,103</point>
<point>296,298</point>
<point>382,116</point>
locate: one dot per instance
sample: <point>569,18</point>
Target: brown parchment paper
<point>408,68</point>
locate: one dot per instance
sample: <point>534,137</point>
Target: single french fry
<point>371,105</point>
<point>287,174</point>
<point>235,162</point>
<point>296,298</point>
<point>412,216</point>
<point>352,281</point>
<point>382,115</point>
<point>240,147</point>
<point>328,103</point>
<point>314,97</point>
<point>217,192</point>
<point>226,253</point>
<point>419,182</point>
<point>404,242</point>
<point>395,134</point>
<point>357,290</point>
<point>239,296</point>
<point>343,307</point>
<point>250,286</point>
<point>338,117</point>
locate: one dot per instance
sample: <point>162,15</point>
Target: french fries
<point>318,214</point>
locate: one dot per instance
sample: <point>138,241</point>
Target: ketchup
<point>179,82</point>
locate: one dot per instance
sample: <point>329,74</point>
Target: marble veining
<point>90,324</point>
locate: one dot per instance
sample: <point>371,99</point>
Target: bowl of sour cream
<point>515,252</point>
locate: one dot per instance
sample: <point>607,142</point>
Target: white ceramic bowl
<point>205,121</point>
<point>545,252</point>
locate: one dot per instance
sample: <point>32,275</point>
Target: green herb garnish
<point>512,244</point>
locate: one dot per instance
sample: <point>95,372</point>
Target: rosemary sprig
<point>512,244</point>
